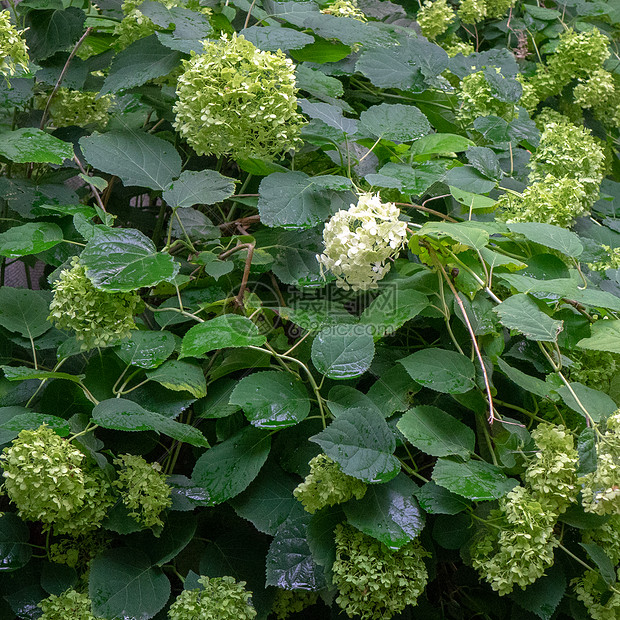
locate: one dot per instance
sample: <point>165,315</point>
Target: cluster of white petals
<point>360,241</point>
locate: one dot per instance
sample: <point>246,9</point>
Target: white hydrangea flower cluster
<point>359,242</point>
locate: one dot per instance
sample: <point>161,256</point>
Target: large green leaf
<point>598,404</point>
<point>527,382</point>
<point>466,233</point>
<point>24,311</point>
<point>441,370</point>
<point>125,415</point>
<point>123,583</point>
<point>180,376</point>
<point>550,236</point>
<point>143,60</point>
<point>135,157</point>
<point>388,512</point>
<point>521,313</point>
<point>29,239</point>
<point>146,349</point>
<point>30,145</point>
<point>436,432</point>
<point>396,122</point>
<point>544,595</point>
<point>122,260</point>
<point>204,187</point>
<point>15,551</point>
<point>393,308</point>
<point>48,31</point>
<point>21,373</point>
<point>272,399</point>
<point>605,336</point>
<point>440,143</point>
<point>296,200</point>
<point>227,469</point>
<point>343,351</point>
<point>437,500</point>
<point>273,38</point>
<point>361,442</point>
<point>329,114</point>
<point>228,330</point>
<point>475,480</point>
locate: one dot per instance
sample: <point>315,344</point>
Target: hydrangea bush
<point>309,309</point>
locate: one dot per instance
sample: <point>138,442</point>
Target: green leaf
<point>343,351</point>
<point>56,578</point>
<point>437,500</point>
<point>188,222</point>
<point>295,200</point>
<point>216,403</point>
<point>290,564</point>
<point>222,332</point>
<point>52,30</point>
<point>466,233</point>
<point>605,337</point>
<point>180,376</point>
<point>24,311</point>
<point>21,373</point>
<point>388,512</point>
<point>408,179</point>
<point>392,391</point>
<point>146,349</point>
<point>31,421</point>
<point>586,447</point>
<point>598,404</point>
<point>475,480</point>
<point>125,415</point>
<point>393,308</point>
<point>123,583</point>
<point>361,442</point>
<point>316,82</point>
<point>122,260</point>
<point>29,239</point>
<point>396,122</point>
<point>470,200</point>
<point>228,468</point>
<point>273,38</point>
<point>268,501</point>
<point>15,551</point>
<point>437,433</point>
<point>272,399</point>
<point>550,236</point>
<point>440,143</point>
<point>331,115</point>
<point>601,559</point>
<point>441,370</point>
<point>469,179</point>
<point>544,595</point>
<point>493,128</point>
<point>205,187</point>
<point>135,157</point>
<point>527,382</point>
<point>143,60</point>
<point>30,145</point>
<point>521,313</point>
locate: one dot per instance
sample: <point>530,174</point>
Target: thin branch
<point>427,210</point>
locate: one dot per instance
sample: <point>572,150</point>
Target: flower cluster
<point>551,473</point>
<point>607,537</point>
<point>289,602</point>
<point>97,317</point>
<point>345,8</point>
<point>70,604</point>
<point>595,369</point>
<point>569,151</point>
<point>327,485</point>
<point>601,490</point>
<point>600,92</point>
<point>13,49</point>
<point>592,591</point>
<point>77,552</point>
<point>373,581</point>
<point>550,200</point>
<point>434,18</point>
<point>453,46</point>
<point>48,480</point>
<point>521,549</point>
<point>220,598</point>
<point>235,99</point>
<point>358,242</point>
<point>476,99</point>
<point>474,11</point>
<point>81,108</point>
<point>143,488</point>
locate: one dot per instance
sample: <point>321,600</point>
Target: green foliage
<point>434,18</point>
<point>81,108</point>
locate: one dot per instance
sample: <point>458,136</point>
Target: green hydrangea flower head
<point>81,108</point>
<point>237,100</point>
<point>552,472</point>
<point>143,488</point>
<point>221,598</point>
<point>288,602</point>
<point>569,151</point>
<point>520,549</point>
<point>593,592</point>
<point>600,92</point>
<point>345,8</point>
<point>476,98</point>
<point>327,485</point>
<point>453,46</point>
<point>70,605</point>
<point>600,489</point>
<point>48,480</point>
<point>596,369</point>
<point>360,241</point>
<point>472,11</point>
<point>550,201</point>
<point>77,552</point>
<point>607,536</point>
<point>434,18</point>
<point>13,48</point>
<point>97,317</point>
<point>374,582</point>
<point>496,9</point>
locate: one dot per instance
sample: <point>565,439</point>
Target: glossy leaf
<point>29,239</point>
<point>550,236</point>
<point>342,351</point>
<point>192,188</point>
<point>24,311</point>
<point>15,551</point>
<point>180,376</point>
<point>396,122</point>
<point>28,145</point>
<point>441,370</point>
<point>521,313</point>
<point>146,349</point>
